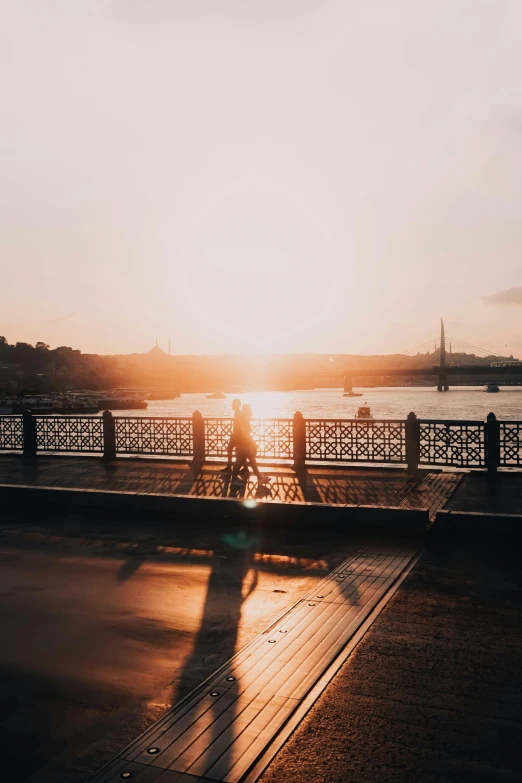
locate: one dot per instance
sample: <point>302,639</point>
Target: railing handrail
<point>413,441</point>
<point>359,421</point>
<point>451,422</point>
<point>154,418</point>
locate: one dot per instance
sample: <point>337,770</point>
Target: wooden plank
<point>251,743</point>
<point>349,563</point>
<point>239,666</point>
<point>139,772</point>
<point>360,595</point>
<point>329,646</point>
<point>272,651</point>
<point>149,775</point>
<point>174,743</point>
<point>169,776</point>
<point>215,747</point>
<point>111,772</point>
<point>297,685</point>
<point>267,666</point>
<point>179,723</point>
<point>253,747</point>
<point>316,631</point>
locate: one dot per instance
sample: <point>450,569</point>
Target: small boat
<point>364,412</point>
<point>351,393</point>
<point>216,395</point>
<point>491,388</point>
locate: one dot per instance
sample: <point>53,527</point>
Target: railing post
<point>109,436</point>
<point>492,444</point>
<point>198,440</point>
<point>29,431</point>
<point>299,441</point>
<point>412,442</point>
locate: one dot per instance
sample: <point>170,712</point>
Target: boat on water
<point>351,393</point>
<point>164,393</point>
<point>216,395</point>
<point>364,412</point>
<point>491,388</point>
<point>121,400</point>
<point>7,404</point>
<point>52,404</point>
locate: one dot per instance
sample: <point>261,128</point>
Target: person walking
<point>232,443</point>
<point>246,447</point>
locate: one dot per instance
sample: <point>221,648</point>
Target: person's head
<point>247,411</point>
<point>236,405</point>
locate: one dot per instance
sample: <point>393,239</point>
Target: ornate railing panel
<point>348,440</point>
<point>273,437</point>
<point>147,435</point>
<point>69,433</point>
<point>11,433</point>
<point>511,443</point>
<point>453,443</point>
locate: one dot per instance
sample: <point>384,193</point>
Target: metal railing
<point>171,437</point>
<point>69,434</point>
<point>412,441</point>
<point>351,440</point>
<point>452,443</point>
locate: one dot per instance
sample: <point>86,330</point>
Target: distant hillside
<point>37,368</point>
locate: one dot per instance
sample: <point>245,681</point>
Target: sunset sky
<point>264,176</point>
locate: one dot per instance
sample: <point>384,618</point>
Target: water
<point>464,402</point>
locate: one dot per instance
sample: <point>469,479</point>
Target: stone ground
<point>371,486</point>
<point>433,693</point>
<point>500,495</point>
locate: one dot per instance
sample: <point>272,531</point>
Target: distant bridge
<point>441,371</point>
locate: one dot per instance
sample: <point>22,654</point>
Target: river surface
<point>387,403</point>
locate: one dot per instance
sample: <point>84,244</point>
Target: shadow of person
<point>129,567</point>
<point>237,488</point>
<point>263,491</point>
<point>232,579</point>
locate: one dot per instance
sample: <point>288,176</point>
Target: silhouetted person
<point>232,443</point>
<point>246,448</point>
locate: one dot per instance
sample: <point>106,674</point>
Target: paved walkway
<point>220,732</point>
<point>433,693</point>
<point>501,494</point>
<point>363,486</point>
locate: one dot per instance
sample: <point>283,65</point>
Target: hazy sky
<point>265,175</point>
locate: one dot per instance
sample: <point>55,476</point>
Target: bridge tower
<point>443,376</point>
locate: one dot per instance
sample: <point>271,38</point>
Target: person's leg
<point>253,463</point>
<point>238,464</point>
<point>230,451</point>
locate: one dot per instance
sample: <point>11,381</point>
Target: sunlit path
<point>223,728</point>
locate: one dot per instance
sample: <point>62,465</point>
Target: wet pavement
<point>100,633</point>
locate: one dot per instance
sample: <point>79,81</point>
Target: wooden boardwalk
<point>220,730</point>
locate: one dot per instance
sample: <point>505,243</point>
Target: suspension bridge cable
<point>417,348</point>
<point>484,351</point>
